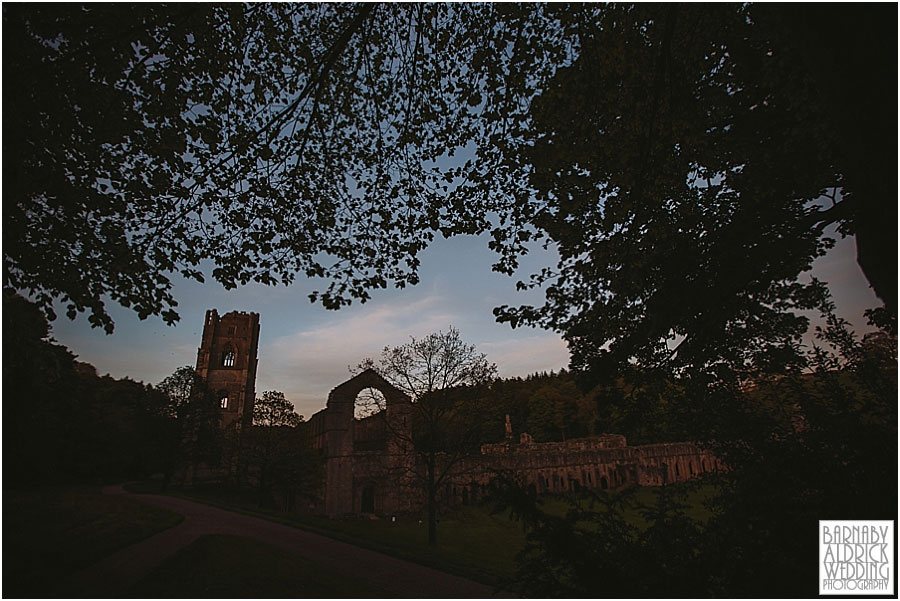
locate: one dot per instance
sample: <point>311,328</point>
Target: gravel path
<point>112,576</point>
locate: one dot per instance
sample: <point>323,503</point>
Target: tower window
<point>223,402</point>
<point>228,357</point>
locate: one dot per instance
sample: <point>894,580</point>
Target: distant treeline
<point>552,406</point>
<point>63,422</point>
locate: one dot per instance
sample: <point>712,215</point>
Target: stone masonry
<point>227,361</point>
<point>367,469</point>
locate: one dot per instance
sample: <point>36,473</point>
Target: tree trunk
<point>432,505</point>
<point>262,487</point>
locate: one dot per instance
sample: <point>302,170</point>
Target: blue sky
<point>305,350</point>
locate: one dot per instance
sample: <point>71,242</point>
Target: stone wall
<point>368,471</point>
<point>358,461</point>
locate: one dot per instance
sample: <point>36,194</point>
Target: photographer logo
<point>856,557</point>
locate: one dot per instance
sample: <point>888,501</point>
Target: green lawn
<point>51,532</point>
<point>693,495</point>
<point>223,566</point>
<point>471,541</point>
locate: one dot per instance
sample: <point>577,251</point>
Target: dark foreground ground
<point>237,556</point>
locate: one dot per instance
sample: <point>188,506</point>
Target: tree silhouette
<point>669,154</point>
<point>678,161</point>
<point>442,376</point>
<point>67,423</point>
<point>273,140</point>
<point>795,448</point>
<point>275,453</point>
<point>195,408</point>
<point>179,388</point>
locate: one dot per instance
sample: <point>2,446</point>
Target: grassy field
<point>693,495</point>
<point>234,567</point>
<point>50,532</point>
<point>472,542</point>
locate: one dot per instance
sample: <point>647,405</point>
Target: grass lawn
<point>693,495</point>
<point>471,541</point>
<point>51,532</point>
<point>223,566</point>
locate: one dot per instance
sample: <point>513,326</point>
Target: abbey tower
<point>227,361</point>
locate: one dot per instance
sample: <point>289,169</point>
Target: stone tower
<point>226,359</point>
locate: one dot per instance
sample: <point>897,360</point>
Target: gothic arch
<point>229,355</point>
<point>343,397</point>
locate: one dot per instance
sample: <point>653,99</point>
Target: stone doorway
<point>367,505</point>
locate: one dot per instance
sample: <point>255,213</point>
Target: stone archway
<point>341,456</point>
<point>343,396</point>
<point>367,501</point>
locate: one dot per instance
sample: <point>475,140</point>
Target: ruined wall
<point>598,463</point>
<point>359,461</point>
<point>672,462</point>
<point>368,470</point>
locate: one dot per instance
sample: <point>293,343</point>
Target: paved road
<point>113,575</point>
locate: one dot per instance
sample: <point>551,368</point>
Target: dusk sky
<point>305,350</point>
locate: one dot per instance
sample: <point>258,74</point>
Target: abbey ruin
<point>367,469</point>
<point>368,463</point>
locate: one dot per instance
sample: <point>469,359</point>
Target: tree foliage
<point>554,411</point>
<point>677,161</point>
<point>671,155</point>
<point>270,139</point>
<point>275,454</point>
<point>179,388</point>
<point>195,409</point>
<point>67,423</point>
<point>272,410</point>
<point>796,447</point>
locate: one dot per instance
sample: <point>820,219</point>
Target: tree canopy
<point>276,454</point>
<point>270,139</point>
<point>272,410</point>
<point>676,157</point>
<point>680,164</point>
<point>68,424</point>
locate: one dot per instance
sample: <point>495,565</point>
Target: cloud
<point>307,364</point>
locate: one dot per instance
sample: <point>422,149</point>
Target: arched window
<point>369,401</point>
<point>223,402</point>
<point>228,356</point>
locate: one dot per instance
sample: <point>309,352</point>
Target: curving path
<point>113,575</point>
